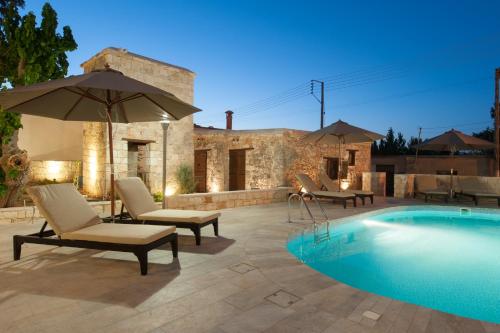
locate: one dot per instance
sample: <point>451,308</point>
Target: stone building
<point>261,159</point>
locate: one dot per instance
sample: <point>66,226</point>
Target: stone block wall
<point>176,80</point>
<point>60,171</point>
<point>375,182</point>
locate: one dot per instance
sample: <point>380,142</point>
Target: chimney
<point>229,119</point>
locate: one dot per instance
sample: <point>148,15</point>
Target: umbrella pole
<point>111,162</point>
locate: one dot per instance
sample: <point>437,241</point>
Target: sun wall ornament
<point>15,164</point>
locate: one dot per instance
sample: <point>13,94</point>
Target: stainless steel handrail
<point>304,203</point>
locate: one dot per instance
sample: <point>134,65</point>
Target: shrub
<point>158,197</point>
<point>185,179</point>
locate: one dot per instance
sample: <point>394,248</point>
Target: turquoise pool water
<point>440,258</point>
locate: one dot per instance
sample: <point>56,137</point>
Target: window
<point>352,158</point>
<point>332,167</point>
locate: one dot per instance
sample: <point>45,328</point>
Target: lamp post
<point>164,124</point>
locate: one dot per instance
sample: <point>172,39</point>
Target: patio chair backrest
<point>135,196</point>
<point>64,208</point>
<point>307,183</point>
<point>327,182</point>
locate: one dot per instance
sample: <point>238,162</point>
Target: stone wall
<point>466,165</point>
<point>375,182</point>
<point>60,171</point>
<point>273,157</point>
<point>176,80</point>
<point>229,199</point>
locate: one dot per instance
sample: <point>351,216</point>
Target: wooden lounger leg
<point>498,202</point>
<point>175,246</point>
<point>345,203</point>
<point>216,227</point>
<point>197,234</point>
<point>143,261</point>
<point>476,200</point>
<point>425,197</point>
<point>17,243</point>
<point>354,202</point>
<point>362,200</point>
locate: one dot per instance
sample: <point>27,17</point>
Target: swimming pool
<point>442,258</point>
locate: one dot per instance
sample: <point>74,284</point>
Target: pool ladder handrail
<point>303,203</point>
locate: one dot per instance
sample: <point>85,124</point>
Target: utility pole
<point>416,150</point>
<point>321,100</point>
<point>497,121</point>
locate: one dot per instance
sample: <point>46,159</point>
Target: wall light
<point>169,191</point>
<point>54,169</point>
<point>214,187</point>
<point>344,184</point>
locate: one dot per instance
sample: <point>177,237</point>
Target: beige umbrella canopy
<point>453,141</point>
<point>102,96</point>
<point>340,133</point>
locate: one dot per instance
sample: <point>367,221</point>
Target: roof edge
<point>118,50</point>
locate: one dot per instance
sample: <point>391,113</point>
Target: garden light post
<point>164,124</point>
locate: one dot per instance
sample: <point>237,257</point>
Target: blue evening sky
<point>403,64</point>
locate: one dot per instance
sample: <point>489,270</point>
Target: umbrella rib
<point>126,99</point>
<point>158,105</point>
<point>121,107</point>
<point>84,93</point>
<point>73,107</point>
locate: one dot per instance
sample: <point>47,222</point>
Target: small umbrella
<point>454,141</point>
<point>102,96</point>
<point>340,133</point>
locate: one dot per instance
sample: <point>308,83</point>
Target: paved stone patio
<point>243,281</point>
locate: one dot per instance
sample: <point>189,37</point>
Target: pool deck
<point>243,281</point>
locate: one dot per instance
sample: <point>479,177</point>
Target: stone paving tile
<point>256,319</point>
<point>66,290</point>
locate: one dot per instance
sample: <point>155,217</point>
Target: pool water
<point>441,258</point>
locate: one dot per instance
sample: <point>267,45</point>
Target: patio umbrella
<point>104,95</point>
<point>454,141</point>
<point>340,133</point>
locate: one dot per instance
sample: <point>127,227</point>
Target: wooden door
<point>237,163</point>
<point>200,170</point>
<point>389,177</point>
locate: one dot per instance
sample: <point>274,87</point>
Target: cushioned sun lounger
<point>309,186</point>
<point>475,189</point>
<point>330,185</point>
<point>141,208</point>
<point>427,186</point>
<point>75,224</point>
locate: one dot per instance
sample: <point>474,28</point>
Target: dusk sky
<point>386,63</point>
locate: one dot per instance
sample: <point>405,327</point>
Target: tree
<point>28,54</point>
<point>488,133</point>
<point>391,145</point>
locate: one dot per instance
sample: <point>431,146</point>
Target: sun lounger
<point>330,185</point>
<point>76,224</point>
<point>142,209</point>
<point>476,189</point>
<point>428,187</point>
<point>309,186</point>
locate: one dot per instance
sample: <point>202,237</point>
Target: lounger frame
<point>125,217</point>
<point>140,250</point>
<point>334,199</point>
<point>431,194</point>
<point>476,198</point>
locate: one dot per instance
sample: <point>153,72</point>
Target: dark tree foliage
<point>391,145</point>
<point>488,133</point>
<point>29,53</point>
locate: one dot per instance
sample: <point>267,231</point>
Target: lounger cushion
<point>64,208</point>
<point>135,196</point>
<point>179,215</point>
<point>343,195</point>
<point>483,195</point>
<point>307,183</point>
<point>120,233</point>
